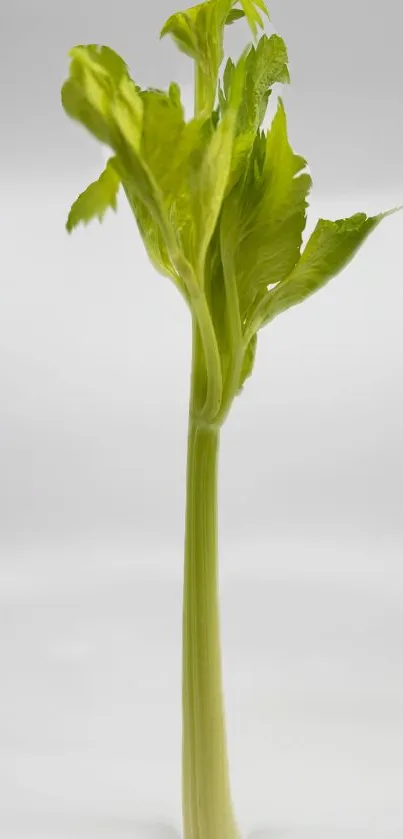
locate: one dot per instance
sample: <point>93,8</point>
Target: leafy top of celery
<point>219,201</point>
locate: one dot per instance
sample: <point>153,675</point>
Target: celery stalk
<point>206,798</point>
<point>221,205</point>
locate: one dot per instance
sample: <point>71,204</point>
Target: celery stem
<point>207,807</point>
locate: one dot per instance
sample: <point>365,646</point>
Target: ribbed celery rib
<point>207,807</point>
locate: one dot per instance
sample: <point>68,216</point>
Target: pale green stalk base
<point>207,808</point>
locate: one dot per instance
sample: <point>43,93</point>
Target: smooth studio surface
<point>94,376</point>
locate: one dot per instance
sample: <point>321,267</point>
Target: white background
<point>94,377</point>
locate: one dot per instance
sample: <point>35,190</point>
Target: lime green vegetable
<point>221,207</point>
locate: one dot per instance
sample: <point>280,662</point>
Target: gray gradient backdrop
<point>94,375</point>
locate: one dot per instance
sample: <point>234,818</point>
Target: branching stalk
<point>235,331</point>
<point>204,334</point>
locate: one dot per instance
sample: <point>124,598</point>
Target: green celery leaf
<point>254,18</point>
<point>154,242</point>
<point>163,135</point>
<point>211,178</point>
<point>248,362</point>
<point>96,199</point>
<point>264,216</point>
<point>172,151</point>
<point>199,152</point>
<point>102,59</point>
<point>78,106</point>
<point>145,129</point>
<point>175,169</point>
<point>234,15</point>
<point>266,65</point>
<point>331,247</point>
<point>227,77</point>
<point>100,94</point>
<point>199,33</point>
